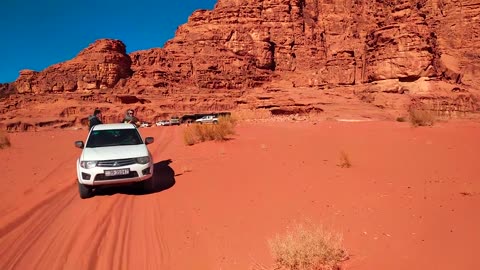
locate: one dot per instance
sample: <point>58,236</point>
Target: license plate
<point>117,172</point>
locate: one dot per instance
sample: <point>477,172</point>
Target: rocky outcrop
<point>6,89</point>
<point>288,56</point>
<point>243,44</point>
<point>457,27</point>
<point>100,66</point>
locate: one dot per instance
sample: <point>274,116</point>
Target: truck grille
<point>102,176</point>
<point>116,162</point>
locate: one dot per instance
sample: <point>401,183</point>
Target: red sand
<point>410,201</point>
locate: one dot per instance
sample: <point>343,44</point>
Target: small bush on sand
<point>307,247</point>
<point>4,140</point>
<point>251,114</point>
<point>420,116</point>
<point>189,136</point>
<point>401,119</point>
<point>208,132</point>
<point>344,160</point>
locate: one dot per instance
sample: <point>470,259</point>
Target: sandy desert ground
<point>410,201</point>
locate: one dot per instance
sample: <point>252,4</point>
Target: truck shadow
<point>163,178</point>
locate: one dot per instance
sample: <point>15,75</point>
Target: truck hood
<point>114,152</point>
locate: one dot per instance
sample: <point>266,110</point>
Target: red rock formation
<point>99,66</point>
<point>366,57</point>
<point>6,89</point>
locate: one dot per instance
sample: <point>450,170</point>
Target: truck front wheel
<point>85,191</point>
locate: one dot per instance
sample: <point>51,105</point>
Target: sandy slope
<point>410,201</point>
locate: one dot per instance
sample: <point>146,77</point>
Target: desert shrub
<point>189,136</point>
<point>420,116</point>
<point>314,114</point>
<point>344,160</point>
<point>208,132</point>
<point>401,119</point>
<point>201,132</point>
<point>307,247</point>
<point>251,114</point>
<point>225,127</point>
<point>4,140</point>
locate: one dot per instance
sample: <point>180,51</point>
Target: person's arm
<point>136,121</point>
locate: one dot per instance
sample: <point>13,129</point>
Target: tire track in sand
<point>60,232</point>
<point>63,166</point>
<point>129,237</point>
<point>167,135</point>
<point>100,233</point>
<point>75,238</point>
<point>17,237</point>
<point>14,224</point>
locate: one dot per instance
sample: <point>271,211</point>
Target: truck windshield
<point>113,137</point>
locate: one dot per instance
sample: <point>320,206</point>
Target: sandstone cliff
<point>99,66</point>
<point>362,58</point>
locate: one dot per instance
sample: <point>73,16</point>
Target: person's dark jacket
<point>93,120</point>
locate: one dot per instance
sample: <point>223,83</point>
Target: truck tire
<point>85,191</point>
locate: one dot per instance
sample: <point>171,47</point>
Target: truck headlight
<point>88,164</point>
<point>143,160</point>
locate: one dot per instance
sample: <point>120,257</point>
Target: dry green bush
<point>208,132</point>
<point>4,140</point>
<point>344,160</point>
<point>420,116</point>
<point>307,247</point>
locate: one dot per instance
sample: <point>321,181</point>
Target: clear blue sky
<point>35,34</point>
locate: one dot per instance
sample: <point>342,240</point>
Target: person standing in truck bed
<point>131,119</point>
<point>94,119</point>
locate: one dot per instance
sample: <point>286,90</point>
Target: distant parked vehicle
<point>163,123</point>
<point>190,118</point>
<point>175,121</point>
<point>207,119</point>
<point>145,124</point>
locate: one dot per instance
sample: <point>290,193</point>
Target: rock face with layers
<point>457,27</point>
<point>288,56</point>
<point>6,89</point>
<point>99,66</point>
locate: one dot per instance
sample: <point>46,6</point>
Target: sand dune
<point>410,200</point>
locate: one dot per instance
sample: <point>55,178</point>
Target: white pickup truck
<point>113,154</point>
<point>207,119</point>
